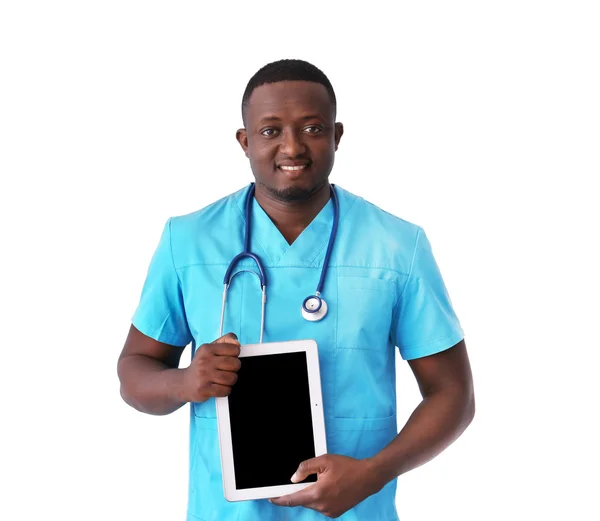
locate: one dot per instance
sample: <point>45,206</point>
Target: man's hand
<point>213,370</point>
<point>342,483</point>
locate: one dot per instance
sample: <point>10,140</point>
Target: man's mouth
<point>293,166</point>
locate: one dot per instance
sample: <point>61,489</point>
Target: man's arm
<point>152,383</point>
<point>148,370</point>
<point>447,408</point>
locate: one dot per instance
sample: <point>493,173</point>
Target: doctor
<point>375,274</point>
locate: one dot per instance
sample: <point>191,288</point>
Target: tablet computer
<point>272,420</point>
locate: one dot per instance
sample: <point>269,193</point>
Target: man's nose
<point>292,144</point>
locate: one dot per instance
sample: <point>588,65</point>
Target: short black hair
<point>287,70</point>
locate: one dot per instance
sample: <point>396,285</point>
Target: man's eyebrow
<point>267,119</point>
<point>312,116</point>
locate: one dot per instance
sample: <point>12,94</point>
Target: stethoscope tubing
<point>261,275</point>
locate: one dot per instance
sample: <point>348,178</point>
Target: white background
<point>477,120</point>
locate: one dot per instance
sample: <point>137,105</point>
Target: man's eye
<point>313,129</point>
<point>269,132</point>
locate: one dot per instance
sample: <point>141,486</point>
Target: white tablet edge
<point>318,420</point>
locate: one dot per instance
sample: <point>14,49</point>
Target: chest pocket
<point>365,308</point>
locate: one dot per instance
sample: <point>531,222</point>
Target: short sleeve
<point>160,313</point>
<point>425,322</point>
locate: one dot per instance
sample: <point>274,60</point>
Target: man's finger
<point>219,391</point>
<point>304,497</point>
<point>226,349</point>
<point>228,363</point>
<point>310,466</point>
<point>227,378</point>
<point>227,345</point>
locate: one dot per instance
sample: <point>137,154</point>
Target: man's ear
<point>242,136</point>
<point>339,131</point>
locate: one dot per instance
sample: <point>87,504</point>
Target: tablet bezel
<point>318,420</point>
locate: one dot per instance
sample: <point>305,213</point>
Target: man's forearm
<point>438,420</point>
<point>150,386</point>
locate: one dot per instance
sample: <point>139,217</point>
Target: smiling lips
<point>292,167</point>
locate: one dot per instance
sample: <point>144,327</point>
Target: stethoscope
<point>314,307</point>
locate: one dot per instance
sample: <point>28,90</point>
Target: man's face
<point>290,138</point>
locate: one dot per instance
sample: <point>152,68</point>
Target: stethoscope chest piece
<point>314,308</point>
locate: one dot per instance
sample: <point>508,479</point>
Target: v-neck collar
<point>308,248</point>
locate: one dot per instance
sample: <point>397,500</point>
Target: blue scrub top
<point>383,289</point>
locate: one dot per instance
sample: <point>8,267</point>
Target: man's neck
<point>292,217</point>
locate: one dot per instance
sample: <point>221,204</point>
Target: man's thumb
<point>308,467</point>
<point>229,338</point>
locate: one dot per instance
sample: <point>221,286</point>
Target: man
<point>382,287</point>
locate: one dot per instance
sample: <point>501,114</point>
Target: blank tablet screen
<point>271,421</point>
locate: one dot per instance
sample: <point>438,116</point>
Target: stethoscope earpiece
<point>314,308</point>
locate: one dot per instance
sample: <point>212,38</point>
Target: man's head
<point>290,133</point>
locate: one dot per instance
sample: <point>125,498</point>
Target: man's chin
<point>294,192</point>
